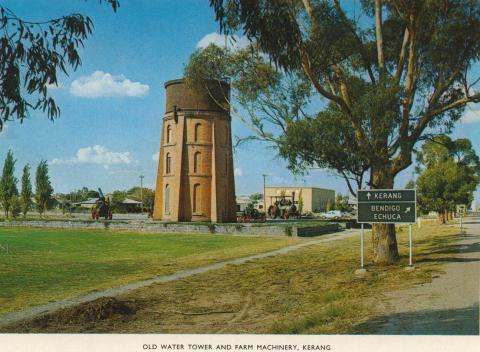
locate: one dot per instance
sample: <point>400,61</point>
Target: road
<point>449,305</point>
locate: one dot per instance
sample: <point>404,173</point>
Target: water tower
<point>195,180</point>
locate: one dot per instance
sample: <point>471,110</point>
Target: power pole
<point>264,194</point>
<point>141,190</point>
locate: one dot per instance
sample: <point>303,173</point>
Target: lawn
<point>46,265</point>
<point>311,290</point>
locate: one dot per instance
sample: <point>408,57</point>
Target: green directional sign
<point>461,209</point>
<point>387,206</point>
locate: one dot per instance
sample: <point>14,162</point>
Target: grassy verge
<point>48,264</point>
<point>310,290</point>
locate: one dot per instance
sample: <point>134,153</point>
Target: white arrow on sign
<point>408,210</point>
<point>368,195</point>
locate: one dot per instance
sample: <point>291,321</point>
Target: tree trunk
<point>441,216</point>
<point>385,250</point>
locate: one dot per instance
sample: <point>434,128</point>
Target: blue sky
<point>112,106</point>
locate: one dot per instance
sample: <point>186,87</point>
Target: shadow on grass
<point>462,321</point>
<point>449,244</point>
<point>447,260</point>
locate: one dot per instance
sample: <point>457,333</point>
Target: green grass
<point>312,290</point>
<point>45,265</point>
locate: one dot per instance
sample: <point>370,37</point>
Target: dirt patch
<point>85,314</point>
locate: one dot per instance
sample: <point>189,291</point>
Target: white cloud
<point>234,42</point>
<point>101,84</point>
<point>155,156</point>
<point>471,114</point>
<point>238,171</point>
<point>97,154</point>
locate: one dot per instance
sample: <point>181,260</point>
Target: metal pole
<point>361,248</point>
<point>411,245</point>
<point>141,190</point>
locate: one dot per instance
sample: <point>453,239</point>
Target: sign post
<point>387,206</point>
<point>410,253</point>
<point>361,249</point>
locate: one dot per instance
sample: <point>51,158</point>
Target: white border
<point>389,190</point>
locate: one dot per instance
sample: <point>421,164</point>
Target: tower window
<point>196,132</point>
<point>196,162</point>
<point>196,198</point>
<point>168,163</point>
<point>167,199</point>
<point>169,133</point>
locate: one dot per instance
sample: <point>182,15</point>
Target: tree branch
<point>379,35</point>
<point>366,61</point>
<point>349,185</point>
<point>458,103</point>
<point>402,57</point>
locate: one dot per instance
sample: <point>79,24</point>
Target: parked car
<point>334,214</point>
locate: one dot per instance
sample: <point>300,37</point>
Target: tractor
<point>283,207</point>
<point>102,207</point>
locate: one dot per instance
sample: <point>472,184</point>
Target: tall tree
<point>26,192</point>
<point>274,106</point>
<point>8,183</point>
<point>401,74</point>
<point>31,56</point>
<point>449,174</point>
<point>43,187</point>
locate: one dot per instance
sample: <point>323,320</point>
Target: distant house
<point>89,203</point>
<point>131,201</point>
<point>242,202</point>
<point>131,205</point>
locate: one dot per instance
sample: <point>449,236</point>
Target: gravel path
<point>449,305</point>
<point>28,313</point>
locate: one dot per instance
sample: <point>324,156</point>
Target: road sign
<point>461,209</point>
<point>387,206</point>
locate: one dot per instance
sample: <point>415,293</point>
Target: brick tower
<point>195,179</point>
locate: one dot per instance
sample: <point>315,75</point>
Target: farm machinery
<point>250,214</point>
<point>283,206</point>
<point>102,207</point>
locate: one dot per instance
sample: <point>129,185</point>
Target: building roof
<point>130,201</point>
<point>88,201</point>
<point>301,187</point>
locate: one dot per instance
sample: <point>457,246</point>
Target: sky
<point>108,133</point>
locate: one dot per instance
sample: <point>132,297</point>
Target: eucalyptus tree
<point>32,54</point>
<point>392,73</point>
